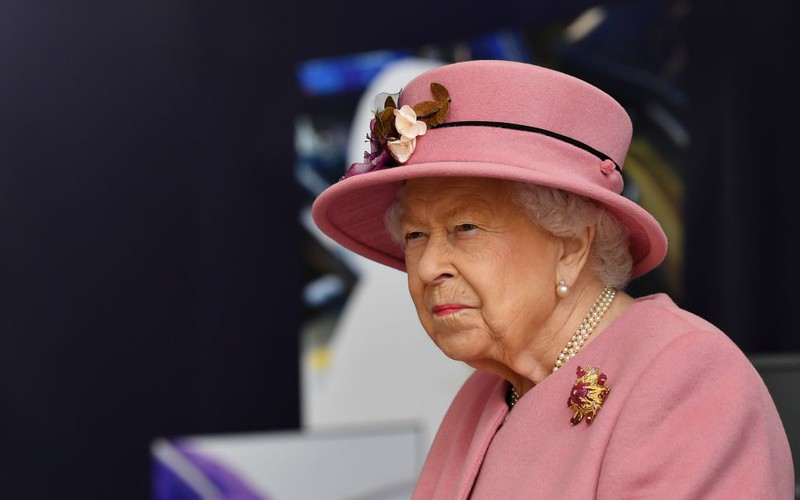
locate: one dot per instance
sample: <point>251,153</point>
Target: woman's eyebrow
<point>459,209</point>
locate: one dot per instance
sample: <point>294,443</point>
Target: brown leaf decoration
<point>430,121</point>
<point>432,113</point>
<point>386,115</point>
<point>442,97</point>
<point>427,111</point>
<point>441,114</point>
<point>439,92</point>
<point>386,121</point>
<point>426,108</point>
<point>377,129</point>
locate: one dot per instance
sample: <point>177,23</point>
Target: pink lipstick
<point>445,309</point>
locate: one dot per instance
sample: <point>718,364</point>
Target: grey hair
<point>567,214</point>
<point>392,218</point>
<point>563,214</point>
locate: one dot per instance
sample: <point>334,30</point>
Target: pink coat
<point>687,417</point>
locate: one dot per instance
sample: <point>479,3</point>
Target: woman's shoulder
<point>656,323</point>
<point>655,331</point>
<point>660,309</point>
<point>683,392</point>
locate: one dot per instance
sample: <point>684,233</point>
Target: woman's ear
<point>575,254</point>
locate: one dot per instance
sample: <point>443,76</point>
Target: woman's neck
<point>534,362</point>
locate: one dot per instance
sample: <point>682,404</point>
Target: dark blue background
<point>150,276</point>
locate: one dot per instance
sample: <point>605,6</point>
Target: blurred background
<point>158,273</point>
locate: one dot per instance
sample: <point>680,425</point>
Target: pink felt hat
<point>506,120</point>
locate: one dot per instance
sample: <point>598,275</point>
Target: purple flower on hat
<point>393,132</point>
<point>371,162</point>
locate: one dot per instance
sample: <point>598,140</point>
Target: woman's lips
<point>445,309</point>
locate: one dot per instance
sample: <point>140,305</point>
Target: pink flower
<point>393,132</point>
<point>402,148</point>
<point>405,121</point>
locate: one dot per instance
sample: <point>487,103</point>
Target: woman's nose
<point>436,263</point>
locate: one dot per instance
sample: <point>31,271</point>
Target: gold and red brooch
<point>588,394</point>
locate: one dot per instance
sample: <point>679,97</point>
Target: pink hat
<point>506,120</point>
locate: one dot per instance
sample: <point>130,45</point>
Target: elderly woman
<point>497,187</point>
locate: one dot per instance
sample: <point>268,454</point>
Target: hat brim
<point>353,210</point>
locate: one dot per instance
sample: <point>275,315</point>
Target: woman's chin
<point>460,346</point>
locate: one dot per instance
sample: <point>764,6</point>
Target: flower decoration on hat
<point>588,394</point>
<point>393,132</point>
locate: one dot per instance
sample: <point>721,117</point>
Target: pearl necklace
<point>512,396</point>
<point>596,312</point>
<point>601,304</point>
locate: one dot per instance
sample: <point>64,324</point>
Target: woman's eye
<point>413,235</point>
<point>467,227</point>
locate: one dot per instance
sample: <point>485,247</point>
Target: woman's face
<point>482,276</point>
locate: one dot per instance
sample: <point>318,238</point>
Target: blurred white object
<point>381,365</point>
<point>377,463</point>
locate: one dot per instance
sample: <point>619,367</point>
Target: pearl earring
<point>562,289</point>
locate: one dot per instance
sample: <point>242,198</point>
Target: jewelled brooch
<point>588,394</point>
